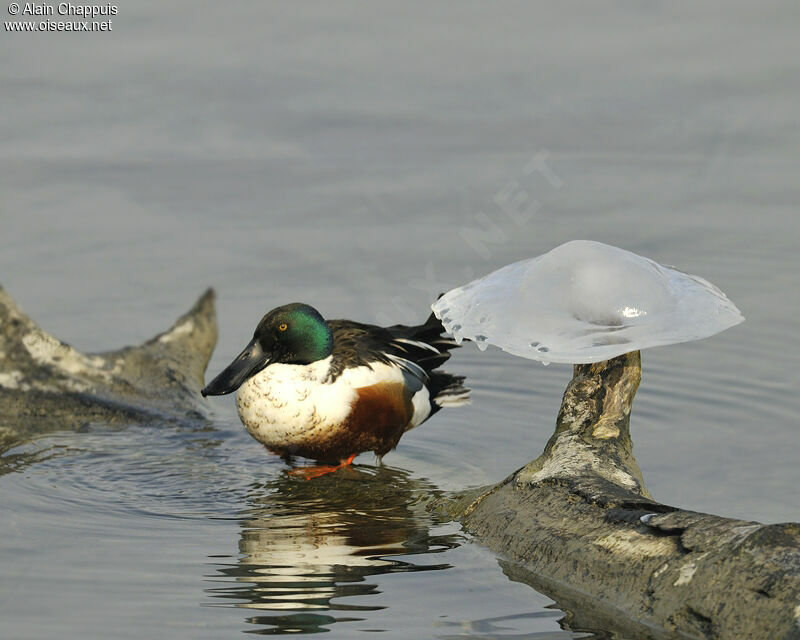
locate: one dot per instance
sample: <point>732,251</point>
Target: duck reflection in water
<point>307,549</point>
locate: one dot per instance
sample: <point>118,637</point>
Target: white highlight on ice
<point>584,302</point>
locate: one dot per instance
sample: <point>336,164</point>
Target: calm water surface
<point>363,159</point>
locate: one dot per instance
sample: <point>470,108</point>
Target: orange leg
<point>316,472</point>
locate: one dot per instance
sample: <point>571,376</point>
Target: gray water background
<point>363,158</point>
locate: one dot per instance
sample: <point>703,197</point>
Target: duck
<point>330,390</point>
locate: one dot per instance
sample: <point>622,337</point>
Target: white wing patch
<point>422,408</point>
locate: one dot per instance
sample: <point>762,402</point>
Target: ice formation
<point>583,302</point>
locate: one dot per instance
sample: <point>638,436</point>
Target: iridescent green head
<point>292,334</point>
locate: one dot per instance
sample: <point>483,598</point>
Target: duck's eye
<point>283,326</point>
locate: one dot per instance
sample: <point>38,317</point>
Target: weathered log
<point>47,385</point>
<point>579,525</point>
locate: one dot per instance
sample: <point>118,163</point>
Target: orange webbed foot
<point>321,470</point>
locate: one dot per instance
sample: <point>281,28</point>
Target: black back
<point>356,344</point>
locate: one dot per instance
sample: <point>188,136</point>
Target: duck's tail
<point>447,390</point>
<point>427,346</point>
<point>424,344</point>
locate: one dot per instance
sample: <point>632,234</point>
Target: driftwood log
<point>579,525</point>
<point>47,385</point>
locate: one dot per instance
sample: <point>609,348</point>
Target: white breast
<point>286,405</point>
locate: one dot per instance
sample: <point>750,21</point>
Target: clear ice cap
<point>583,302</point>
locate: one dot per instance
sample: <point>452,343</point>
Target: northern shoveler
<point>331,390</point>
